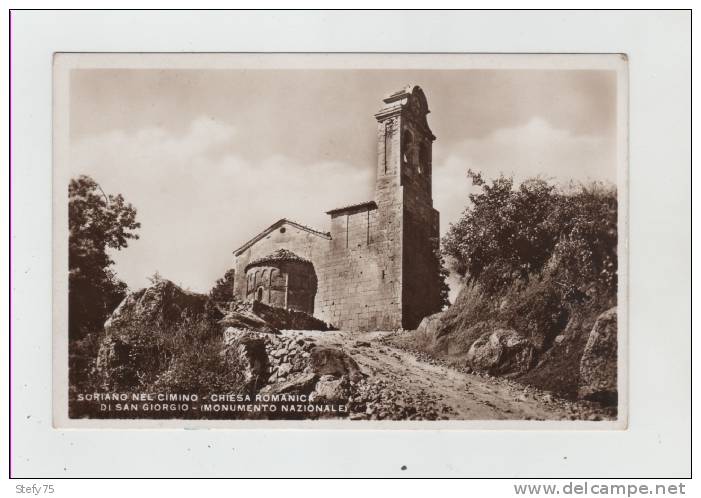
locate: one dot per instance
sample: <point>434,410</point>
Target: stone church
<point>377,267</point>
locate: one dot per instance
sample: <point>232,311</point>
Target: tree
<point>443,287</point>
<point>156,278</point>
<point>97,222</point>
<point>503,235</point>
<point>587,249</point>
<point>223,290</point>
<point>512,233</point>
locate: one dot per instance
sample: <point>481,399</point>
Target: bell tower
<point>405,143</point>
<point>403,192</point>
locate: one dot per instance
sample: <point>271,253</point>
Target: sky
<point>209,158</point>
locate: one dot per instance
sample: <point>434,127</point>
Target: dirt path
<point>400,378</point>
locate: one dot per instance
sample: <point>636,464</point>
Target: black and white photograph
<point>376,244</point>
<point>315,238</point>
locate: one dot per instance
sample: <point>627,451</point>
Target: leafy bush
<point>510,235</point>
<point>585,258</point>
<point>504,235</point>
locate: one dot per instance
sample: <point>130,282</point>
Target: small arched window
<point>408,142</point>
<point>424,157</point>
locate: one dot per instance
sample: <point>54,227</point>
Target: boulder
<point>134,349</point>
<point>558,367</point>
<point>245,319</point>
<point>330,389</point>
<point>432,325</point>
<point>287,319</point>
<point>599,364</point>
<point>333,361</point>
<point>503,351</point>
<point>163,303</point>
<point>268,319</point>
<point>298,384</point>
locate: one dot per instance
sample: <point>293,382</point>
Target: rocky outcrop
<point>558,367</point>
<point>241,317</point>
<point>302,383</point>
<point>334,361</point>
<point>263,318</point>
<point>131,351</point>
<point>288,356</point>
<point>285,319</point>
<point>443,333</point>
<point>432,325</point>
<point>248,354</point>
<point>163,303</point>
<point>153,336</point>
<point>331,389</point>
<point>598,366</point>
<point>297,366</point>
<point>501,352</point>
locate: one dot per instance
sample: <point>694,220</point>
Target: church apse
<point>282,279</point>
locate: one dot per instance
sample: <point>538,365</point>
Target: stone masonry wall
<point>358,271</point>
<point>286,284</point>
<point>421,289</point>
<point>359,279</point>
<point>306,244</point>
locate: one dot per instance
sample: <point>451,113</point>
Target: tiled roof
<point>279,255</point>
<point>366,204</point>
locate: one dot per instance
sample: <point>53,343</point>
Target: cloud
<point>198,200</point>
<point>535,148</point>
<point>198,197</point>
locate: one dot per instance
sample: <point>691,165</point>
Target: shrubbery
<point>536,258</point>
<point>511,234</point>
<point>195,363</point>
<point>142,358</point>
<point>223,290</point>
